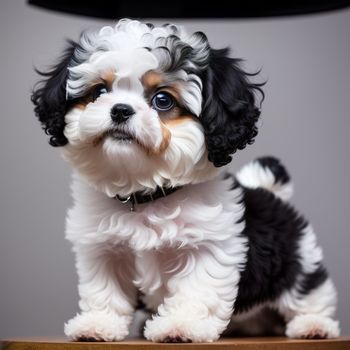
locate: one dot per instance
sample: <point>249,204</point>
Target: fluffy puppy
<point>148,117</point>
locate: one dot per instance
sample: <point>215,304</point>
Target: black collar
<point>141,198</point>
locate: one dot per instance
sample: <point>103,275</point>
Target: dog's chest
<point>208,211</point>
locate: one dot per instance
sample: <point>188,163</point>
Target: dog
<point>149,117</point>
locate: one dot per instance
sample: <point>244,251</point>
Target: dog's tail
<point>267,173</point>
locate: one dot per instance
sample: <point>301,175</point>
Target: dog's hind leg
<point>310,315</point>
<point>309,306</point>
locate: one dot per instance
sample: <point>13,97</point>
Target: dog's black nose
<point>121,112</point>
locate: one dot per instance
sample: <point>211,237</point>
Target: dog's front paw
<point>97,326</point>
<point>177,329</point>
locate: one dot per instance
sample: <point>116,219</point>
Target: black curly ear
<point>49,98</point>
<point>229,112</point>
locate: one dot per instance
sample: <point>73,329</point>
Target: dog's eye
<point>163,101</point>
<point>98,91</point>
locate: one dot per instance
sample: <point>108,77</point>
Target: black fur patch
<point>50,100</point>
<point>276,167</point>
<point>229,113</point>
<point>274,230</point>
<point>312,280</point>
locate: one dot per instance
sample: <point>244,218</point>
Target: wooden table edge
<point>264,343</point>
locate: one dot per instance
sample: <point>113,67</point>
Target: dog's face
<point>137,107</point>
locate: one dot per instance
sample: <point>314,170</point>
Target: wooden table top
<point>266,343</point>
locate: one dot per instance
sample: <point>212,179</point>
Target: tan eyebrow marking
<point>151,80</point>
<point>108,77</point>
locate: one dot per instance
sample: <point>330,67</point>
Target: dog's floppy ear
<point>49,98</point>
<point>229,111</point>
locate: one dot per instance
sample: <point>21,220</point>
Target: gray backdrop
<point>305,121</point>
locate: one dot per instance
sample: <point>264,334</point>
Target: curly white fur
<point>185,252</point>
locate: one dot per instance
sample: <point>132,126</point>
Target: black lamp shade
<point>115,9</point>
